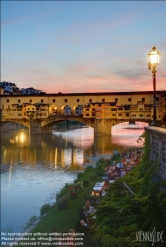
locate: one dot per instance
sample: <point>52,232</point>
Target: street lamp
<point>154,57</point>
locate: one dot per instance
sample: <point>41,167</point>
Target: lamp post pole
<point>154,57</point>
<point>154,89</point>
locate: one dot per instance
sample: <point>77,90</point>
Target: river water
<point>37,167</point>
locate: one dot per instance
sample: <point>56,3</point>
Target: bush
<point>85,183</point>
<point>62,202</point>
<point>93,177</point>
<point>44,209</point>
<point>62,192</point>
<point>73,194</point>
<point>78,186</point>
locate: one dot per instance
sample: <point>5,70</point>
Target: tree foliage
<point>120,215</point>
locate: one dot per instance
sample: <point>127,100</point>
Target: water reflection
<point>38,166</point>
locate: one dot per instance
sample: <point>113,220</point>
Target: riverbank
<point>67,218</point>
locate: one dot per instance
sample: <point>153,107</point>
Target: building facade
<point>118,105</point>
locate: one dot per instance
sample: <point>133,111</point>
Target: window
<point>53,100</point>
<point>129,99</point>
<point>143,99</point>
<point>141,115</point>
<point>127,114</point>
<point>87,109</point>
<point>8,100</point>
<point>113,109</point>
<point>65,100</point>
<point>87,114</point>
<point>157,98</point>
<point>93,114</point>
<point>103,100</point>
<point>30,101</point>
<point>42,100</point>
<point>120,108</point>
<point>2,106</point>
<point>113,115</point>
<point>90,100</point>
<point>78,100</point>
<point>120,114</point>
<point>116,99</point>
<point>19,100</point>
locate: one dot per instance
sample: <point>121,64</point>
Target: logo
<point>153,236</point>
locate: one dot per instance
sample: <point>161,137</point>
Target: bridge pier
<point>102,126</point>
<point>34,126</point>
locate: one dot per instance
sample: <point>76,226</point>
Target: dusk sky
<point>82,46</point>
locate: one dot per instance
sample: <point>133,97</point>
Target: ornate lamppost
<point>154,57</point>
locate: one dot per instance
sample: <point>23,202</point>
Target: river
<point>37,167</point>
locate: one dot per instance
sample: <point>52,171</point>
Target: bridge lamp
<point>154,57</point>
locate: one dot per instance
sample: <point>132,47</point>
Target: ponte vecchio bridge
<point>99,110</point>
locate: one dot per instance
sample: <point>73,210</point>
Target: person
<point>104,188</point>
<point>72,238</point>
<point>82,215</point>
<point>88,208</point>
<point>82,226</point>
<point>54,242</point>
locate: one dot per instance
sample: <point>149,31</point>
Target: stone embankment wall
<point>158,148</point>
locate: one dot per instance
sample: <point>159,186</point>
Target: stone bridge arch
<point>23,122</point>
<point>54,120</point>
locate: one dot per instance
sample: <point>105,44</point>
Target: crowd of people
<point>86,220</point>
<point>128,161</point>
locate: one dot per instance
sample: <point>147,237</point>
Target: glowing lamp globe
<point>154,56</point>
